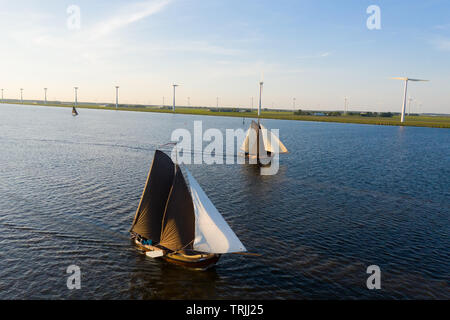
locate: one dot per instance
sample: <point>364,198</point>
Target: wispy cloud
<point>201,47</point>
<point>317,55</point>
<point>442,26</point>
<point>441,43</point>
<point>130,14</point>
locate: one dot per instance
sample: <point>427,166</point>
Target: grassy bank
<point>415,121</point>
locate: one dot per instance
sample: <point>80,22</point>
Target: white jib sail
<point>271,142</point>
<point>212,232</point>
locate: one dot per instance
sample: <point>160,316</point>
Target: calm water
<point>346,197</point>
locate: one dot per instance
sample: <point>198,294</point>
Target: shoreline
<point>411,121</point>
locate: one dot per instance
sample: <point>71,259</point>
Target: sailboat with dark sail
<point>176,221</point>
<point>74,111</point>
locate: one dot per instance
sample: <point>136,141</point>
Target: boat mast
<point>259,114</point>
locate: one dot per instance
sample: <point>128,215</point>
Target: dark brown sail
<point>178,226</point>
<point>148,219</point>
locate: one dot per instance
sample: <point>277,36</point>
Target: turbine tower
<point>410,100</point>
<point>76,96</point>
<point>405,94</point>
<point>174,87</point>
<point>260,97</point>
<point>21,95</point>
<point>293,105</point>
<point>117,97</point>
<point>45,95</point>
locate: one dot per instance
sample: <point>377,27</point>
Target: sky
<point>316,51</point>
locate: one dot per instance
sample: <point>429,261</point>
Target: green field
<point>416,121</point>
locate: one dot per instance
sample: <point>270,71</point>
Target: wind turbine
<point>45,95</point>
<point>405,93</point>
<point>410,100</point>
<point>117,97</point>
<point>261,83</point>
<point>21,95</point>
<point>76,96</point>
<point>174,87</point>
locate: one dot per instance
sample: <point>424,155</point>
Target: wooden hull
<point>204,262</point>
<point>199,261</point>
<point>266,161</point>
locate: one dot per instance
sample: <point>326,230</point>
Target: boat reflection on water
<point>150,277</point>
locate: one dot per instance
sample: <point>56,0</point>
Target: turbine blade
<point>417,80</point>
<point>399,78</point>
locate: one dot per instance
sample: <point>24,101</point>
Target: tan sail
<point>271,142</point>
<point>259,141</point>
<point>250,145</point>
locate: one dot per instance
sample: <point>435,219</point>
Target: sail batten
<point>212,232</point>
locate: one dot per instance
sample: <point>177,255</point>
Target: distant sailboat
<point>261,144</point>
<point>74,111</point>
<point>176,220</point>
